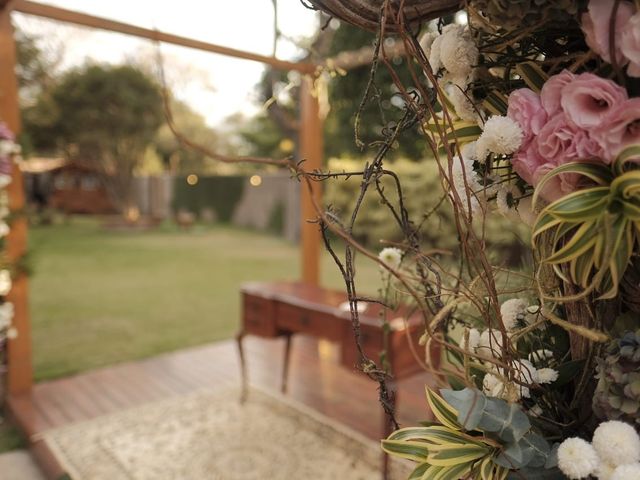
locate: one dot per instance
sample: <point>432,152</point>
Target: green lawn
<point>101,297</point>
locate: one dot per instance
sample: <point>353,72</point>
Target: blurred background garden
<point>138,245</point>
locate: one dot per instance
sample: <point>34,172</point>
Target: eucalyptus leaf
<point>507,420</point>
<point>552,458</point>
<point>539,447</point>
<point>469,404</point>
<point>536,474</point>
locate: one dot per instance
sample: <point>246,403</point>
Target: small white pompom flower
<point>5,282</point>
<point>465,181</point>
<point>526,211</point>
<point>617,442</point>
<point>391,257</point>
<point>490,344</point>
<point>626,472</point>
<point>458,51</point>
<point>6,314</point>
<point>513,312</point>
<point>547,375</point>
<point>462,103</point>
<point>501,136</point>
<point>474,340</point>
<point>493,386</point>
<point>426,40</point>
<point>506,200</point>
<point>577,458</point>
<point>12,333</point>
<point>434,54</point>
<point>605,470</point>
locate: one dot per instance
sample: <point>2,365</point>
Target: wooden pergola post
<point>312,151</point>
<point>20,374</point>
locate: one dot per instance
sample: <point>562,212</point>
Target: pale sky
<point>216,86</point>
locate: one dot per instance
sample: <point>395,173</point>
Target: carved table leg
<point>387,429</point>
<point>285,366</point>
<point>243,367</point>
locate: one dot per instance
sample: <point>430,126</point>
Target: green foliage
<point>103,116</point>
<point>593,231</point>
<point>193,126</point>
<point>221,193</point>
<point>384,106</point>
<point>478,435</point>
<point>423,196</point>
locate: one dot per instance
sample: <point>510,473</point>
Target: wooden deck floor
<point>315,379</point>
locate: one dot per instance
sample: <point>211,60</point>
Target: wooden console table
<point>282,309</point>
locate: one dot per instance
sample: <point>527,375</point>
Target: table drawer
<point>258,316</point>
<point>296,319</point>
<point>370,339</point>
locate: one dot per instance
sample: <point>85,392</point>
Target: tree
<point>194,127</point>
<point>104,117</point>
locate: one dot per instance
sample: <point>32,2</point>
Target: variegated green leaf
<point>532,75</point>
<point>416,451</point>
<point>449,455</point>
<point>444,413</point>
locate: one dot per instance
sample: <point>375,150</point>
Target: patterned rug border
<point>233,390</point>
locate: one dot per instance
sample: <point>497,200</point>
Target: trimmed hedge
<point>220,193</point>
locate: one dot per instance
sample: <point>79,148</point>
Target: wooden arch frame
<point>20,369</point>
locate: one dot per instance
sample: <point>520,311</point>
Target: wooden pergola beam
<point>83,19</point>
<point>20,373</point>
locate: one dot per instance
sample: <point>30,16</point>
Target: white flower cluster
<point>516,314</point>
<point>391,256</point>
<point>500,136</point>
<point>454,54</point>
<point>465,182</point>
<point>613,454</point>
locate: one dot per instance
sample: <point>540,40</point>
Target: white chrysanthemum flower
<point>577,458</point>
<point>5,282</point>
<point>462,170</point>
<point>490,344</point>
<point>426,41</point>
<point>474,340</point>
<point>617,442</point>
<point>501,136</point>
<point>391,257</point>
<point>434,54</point>
<point>605,470</point>
<point>462,103</point>
<point>4,180</point>
<point>526,212</point>
<point>6,315</point>
<point>513,313</point>
<point>12,333</point>
<point>458,52</point>
<point>626,472</point>
<point>506,200</point>
<point>540,356</point>
<point>4,229</point>
<point>547,375</point>
<point>7,147</point>
<point>493,386</point>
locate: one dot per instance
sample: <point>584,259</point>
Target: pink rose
<point>561,141</point>
<point>588,99</point>
<point>596,23</point>
<point>630,45</point>
<point>551,90</point>
<point>557,186</point>
<point>620,129</point>
<point>526,110</point>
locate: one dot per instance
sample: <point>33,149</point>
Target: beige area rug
<point>211,436</point>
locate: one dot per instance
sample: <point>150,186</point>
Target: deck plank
<point>315,379</point>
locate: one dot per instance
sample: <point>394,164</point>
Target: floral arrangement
<point>8,150</point>
<point>531,110</point>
